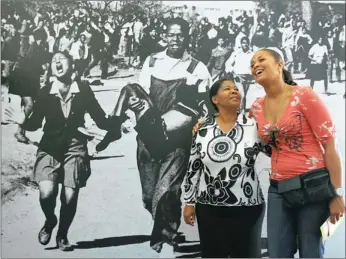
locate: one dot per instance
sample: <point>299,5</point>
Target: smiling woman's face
<point>264,67</point>
<point>60,65</point>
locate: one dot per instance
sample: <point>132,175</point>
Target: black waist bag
<point>311,187</point>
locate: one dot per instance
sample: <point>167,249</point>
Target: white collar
<point>163,55</point>
<point>55,88</point>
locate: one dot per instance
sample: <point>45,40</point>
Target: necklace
<point>282,98</point>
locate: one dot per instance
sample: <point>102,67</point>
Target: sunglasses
<point>273,137</point>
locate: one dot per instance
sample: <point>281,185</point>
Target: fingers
<point>189,215</point>
<point>134,100</point>
<point>138,106</point>
<point>186,219</point>
<point>192,220</point>
<point>8,112</point>
<point>136,103</point>
<point>332,219</point>
<point>196,127</point>
<point>8,117</point>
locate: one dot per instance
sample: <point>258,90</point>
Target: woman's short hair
<point>66,54</point>
<point>215,88</point>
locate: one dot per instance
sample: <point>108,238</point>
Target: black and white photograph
<point>172,129</point>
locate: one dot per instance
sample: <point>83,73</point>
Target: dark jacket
<point>58,131</point>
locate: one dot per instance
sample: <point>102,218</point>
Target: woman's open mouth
<point>259,72</point>
<point>59,68</point>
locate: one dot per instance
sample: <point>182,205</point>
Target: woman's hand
<point>136,104</point>
<point>196,127</point>
<point>336,208</point>
<point>14,115</point>
<point>189,214</point>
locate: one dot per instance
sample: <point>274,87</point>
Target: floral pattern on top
<point>297,137</point>
<point>221,168</point>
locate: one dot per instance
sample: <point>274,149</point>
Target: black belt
<point>274,183</point>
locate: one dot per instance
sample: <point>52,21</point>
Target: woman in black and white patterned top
<point>221,181</point>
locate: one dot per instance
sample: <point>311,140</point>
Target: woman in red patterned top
<point>296,123</point>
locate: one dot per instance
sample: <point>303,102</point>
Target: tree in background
<point>303,8</point>
<point>29,9</point>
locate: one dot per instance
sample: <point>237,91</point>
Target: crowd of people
<point>27,45</point>
<point>46,59</point>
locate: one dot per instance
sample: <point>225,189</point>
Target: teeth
<point>259,71</point>
<point>59,67</point>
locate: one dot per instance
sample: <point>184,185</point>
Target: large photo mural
<point>104,168</point>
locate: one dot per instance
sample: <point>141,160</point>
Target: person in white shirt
<point>129,35</point>
<point>87,33</point>
<point>138,35</point>
<point>56,25</point>
<point>167,102</point>
<point>221,186</point>
<point>64,43</point>
<point>288,43</point>
<point>239,37</point>
<point>238,64</point>
<point>342,39</point>
<point>186,14</point>
<point>138,30</point>
<point>302,47</point>
<point>218,58</point>
<point>51,41</point>
<point>79,52</point>
<point>333,57</point>
<point>62,155</point>
<point>38,17</point>
<point>318,55</point>
<point>123,44</point>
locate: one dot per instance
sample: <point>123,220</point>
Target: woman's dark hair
<point>215,88</point>
<point>286,75</point>
<point>66,54</point>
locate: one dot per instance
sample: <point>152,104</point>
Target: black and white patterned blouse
<point>221,167</point>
